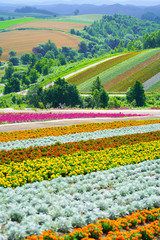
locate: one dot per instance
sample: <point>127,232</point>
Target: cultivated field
<point>87,17</point>
<point>23,41</point>
<point>96,70</point>
<point>138,72</point>
<point>50,25</point>
<point>116,70</point>
<point>93,177</point>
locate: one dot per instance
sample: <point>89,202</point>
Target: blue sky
<point>100,2</point>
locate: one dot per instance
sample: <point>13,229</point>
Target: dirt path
<point>154,114</point>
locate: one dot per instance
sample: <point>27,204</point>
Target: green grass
<point>119,69</point>
<point>154,88</point>
<point>9,23</point>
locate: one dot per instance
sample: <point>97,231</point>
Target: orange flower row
<point>57,131</point>
<point>111,229</point>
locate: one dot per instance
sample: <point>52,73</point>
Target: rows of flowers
<point>79,128</point>
<point>19,173</point>
<point>57,188</point>
<point>64,203</point>
<point>77,137</point>
<point>58,149</point>
<point>30,117</point>
<point>113,229</point>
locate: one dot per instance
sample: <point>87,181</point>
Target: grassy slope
<point>117,70</point>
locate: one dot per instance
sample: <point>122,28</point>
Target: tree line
<point>115,33</point>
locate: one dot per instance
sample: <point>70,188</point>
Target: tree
<point>72,31</point>
<point>14,60</point>
<point>82,47</point>
<point>121,46</point>
<point>96,97</point>
<point>100,96</point>
<point>1,51</point>
<point>33,75</point>
<point>12,53</point>
<point>35,95</point>
<point>136,93</point>
<point>62,59</point>
<point>49,55</point>
<point>26,58</point>
<point>96,85</point>
<point>8,71</point>
<point>104,98</point>
<point>76,12</point>
<point>62,92</point>
<point>13,85</point>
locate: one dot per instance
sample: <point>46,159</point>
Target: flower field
<point>87,181</point>
<point>30,117</point>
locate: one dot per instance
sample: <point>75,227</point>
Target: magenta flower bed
<point>30,117</point>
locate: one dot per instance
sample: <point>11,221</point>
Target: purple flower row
<point>29,117</point>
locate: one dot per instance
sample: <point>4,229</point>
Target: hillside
<point>68,9</point>
<point>118,74</point>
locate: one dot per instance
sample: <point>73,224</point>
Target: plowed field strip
<point>142,75</point>
<point>128,73</point>
<point>51,25</point>
<point>24,41</point>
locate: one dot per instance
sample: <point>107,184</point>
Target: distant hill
<point>34,10</point>
<point>68,9</point>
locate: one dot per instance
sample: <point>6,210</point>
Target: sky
<point>100,2</point>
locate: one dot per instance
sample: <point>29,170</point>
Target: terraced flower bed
<point>102,178</point>
<point>30,117</point>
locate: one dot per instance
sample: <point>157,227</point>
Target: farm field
<point>82,77</point>
<point>126,77</point>
<point>50,25</point>
<point>13,22</point>
<point>87,17</point>
<point>23,41</point>
<point>115,71</point>
<point>92,182</point>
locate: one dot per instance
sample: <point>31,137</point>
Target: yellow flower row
<point>57,131</point>
<point>28,171</point>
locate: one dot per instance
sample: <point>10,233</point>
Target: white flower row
<point>78,137</point>
<point>64,203</point>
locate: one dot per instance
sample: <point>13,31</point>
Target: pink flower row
<point>29,117</point>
